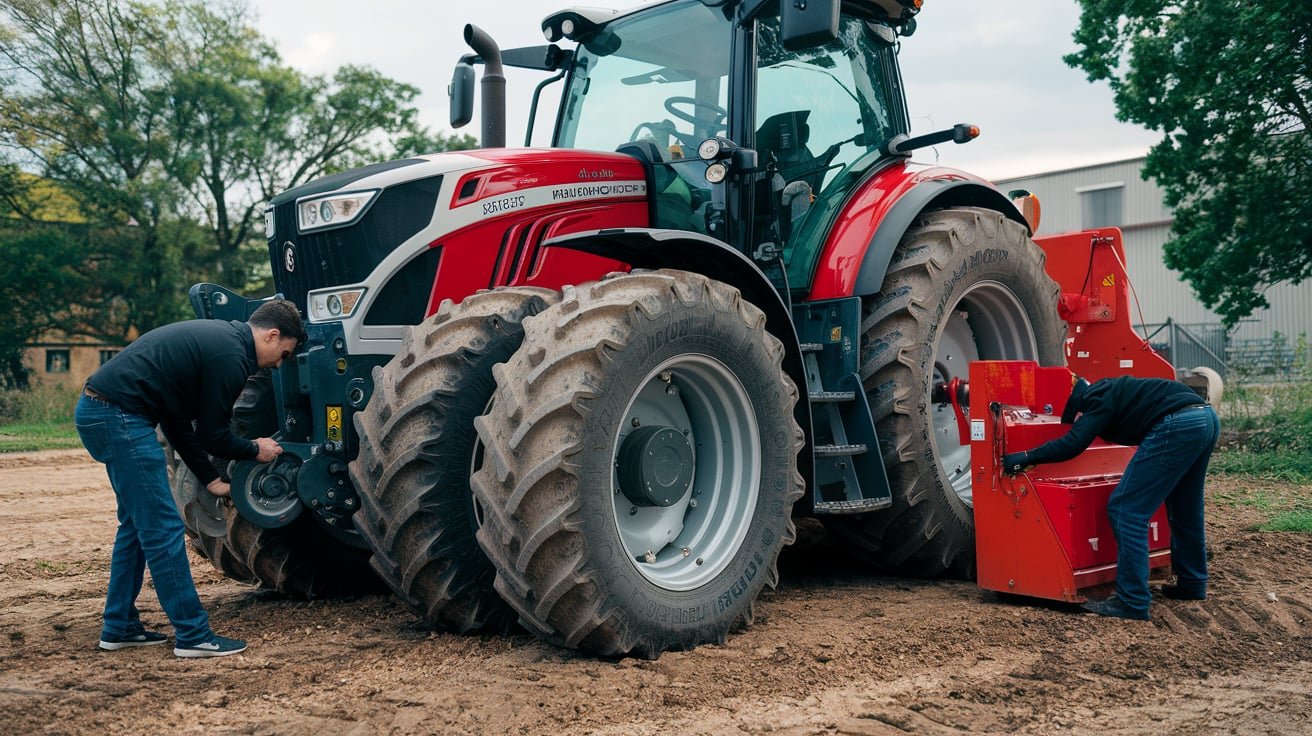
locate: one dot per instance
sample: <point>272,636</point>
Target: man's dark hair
<point>281,315</point>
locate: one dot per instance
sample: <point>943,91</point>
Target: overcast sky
<point>996,64</point>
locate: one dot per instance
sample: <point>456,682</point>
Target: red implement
<point>1043,533</point>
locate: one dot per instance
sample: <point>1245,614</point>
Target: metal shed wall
<point>1146,222</point>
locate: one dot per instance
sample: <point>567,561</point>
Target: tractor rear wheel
<point>640,465</point>
<point>964,284</point>
<point>418,448</point>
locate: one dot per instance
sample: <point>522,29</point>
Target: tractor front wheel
<point>418,448</point>
<point>640,465</point>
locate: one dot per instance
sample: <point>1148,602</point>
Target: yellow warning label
<point>1109,280</point>
<point>334,422</point>
<point>836,334</point>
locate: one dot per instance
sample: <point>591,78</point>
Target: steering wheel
<point>717,122</point>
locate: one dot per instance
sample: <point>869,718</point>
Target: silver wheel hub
<point>702,442</point>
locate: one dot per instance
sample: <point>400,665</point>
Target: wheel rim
<point>686,544</point>
<point>987,322</point>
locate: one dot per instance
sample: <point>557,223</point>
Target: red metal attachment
<point>1043,533</point>
<point>1095,302</point>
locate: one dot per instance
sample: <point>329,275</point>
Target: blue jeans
<point>1169,467</point>
<point>150,530</point>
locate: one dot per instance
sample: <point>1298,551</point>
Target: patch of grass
<point>1289,466</point>
<point>38,419</point>
<point>29,437</point>
<point>47,566</point>
<point>39,404</point>
<point>1298,520</point>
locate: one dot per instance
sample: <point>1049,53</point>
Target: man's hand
<point>218,488</point>
<point>269,449</point>
<point>1015,462</point>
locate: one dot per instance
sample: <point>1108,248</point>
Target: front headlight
<point>335,210</point>
<point>326,306</point>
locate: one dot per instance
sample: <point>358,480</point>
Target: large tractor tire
<point>640,465</point>
<point>300,559</point>
<point>418,448</point>
<point>964,284</point>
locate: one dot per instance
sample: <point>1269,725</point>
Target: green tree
<point>82,108</point>
<point>35,262</point>
<point>247,127</point>
<point>1229,84</point>
<point>156,116</point>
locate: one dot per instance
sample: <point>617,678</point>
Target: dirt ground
<point>836,649</point>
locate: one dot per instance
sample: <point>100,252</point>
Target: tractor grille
<point>348,255</point>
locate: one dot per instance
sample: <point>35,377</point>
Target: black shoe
<point>215,646</point>
<point>1114,607</point>
<point>139,639</point>
<point>1182,593</point>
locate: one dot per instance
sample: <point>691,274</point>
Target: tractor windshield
<point>658,76</point>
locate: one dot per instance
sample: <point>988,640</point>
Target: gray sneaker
<point>215,646</point>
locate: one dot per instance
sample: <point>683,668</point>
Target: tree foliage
<point>169,124</point>
<point>33,256</point>
<point>1229,84</point>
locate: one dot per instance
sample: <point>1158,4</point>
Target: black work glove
<point>1014,462</point>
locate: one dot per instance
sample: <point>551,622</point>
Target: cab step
<point>831,397</point>
<point>858,506</point>
<point>840,450</point>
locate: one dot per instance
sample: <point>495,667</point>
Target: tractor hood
<point>378,248</point>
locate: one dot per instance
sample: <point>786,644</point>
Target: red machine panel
<point>1043,533</point>
<point>1095,302</point>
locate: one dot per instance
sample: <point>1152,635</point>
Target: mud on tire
<point>964,284</point>
<point>585,566</point>
<point>418,447</point>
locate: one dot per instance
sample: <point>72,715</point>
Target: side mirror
<point>806,24</point>
<point>461,93</point>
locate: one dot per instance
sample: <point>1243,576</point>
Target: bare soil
<point>837,649</point>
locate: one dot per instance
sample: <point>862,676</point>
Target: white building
<point>1114,194</point>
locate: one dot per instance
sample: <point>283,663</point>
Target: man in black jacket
<point>174,376</point>
<point>1176,432</point>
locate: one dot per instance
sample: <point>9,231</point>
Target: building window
<point>1101,205</point>
<point>56,361</point>
<point>105,355</point>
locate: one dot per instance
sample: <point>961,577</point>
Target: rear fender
<point>686,251</point>
<point>860,246</point>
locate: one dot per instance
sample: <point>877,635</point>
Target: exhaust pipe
<point>493,84</point>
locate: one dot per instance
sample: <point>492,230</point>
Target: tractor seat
<point>785,135</point>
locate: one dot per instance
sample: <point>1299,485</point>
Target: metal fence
<point>1188,346</point>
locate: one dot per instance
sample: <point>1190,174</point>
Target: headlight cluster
<point>318,213</point>
<point>326,306</point>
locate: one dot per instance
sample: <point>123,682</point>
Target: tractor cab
<point>818,108</point>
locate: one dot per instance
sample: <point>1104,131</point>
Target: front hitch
<point>211,301</point>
